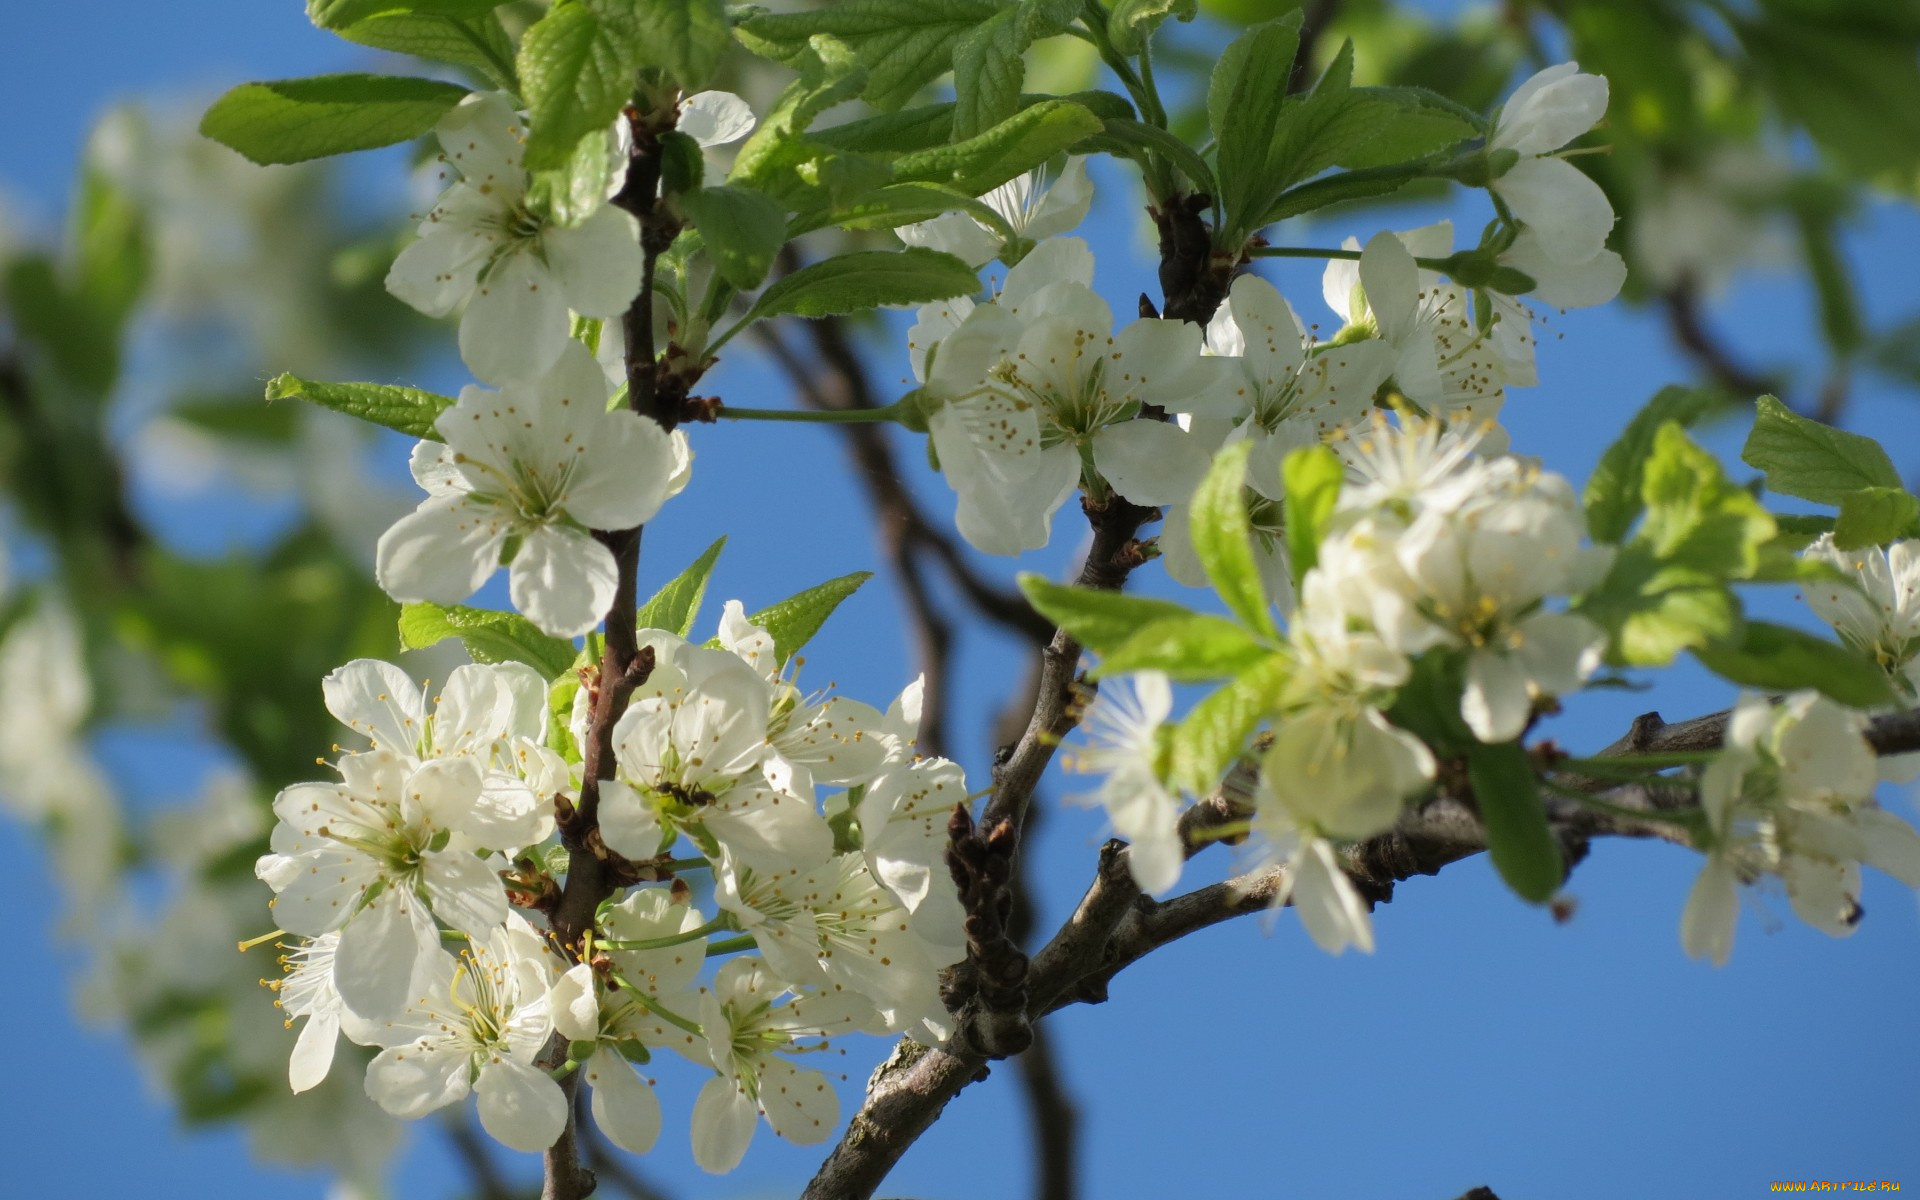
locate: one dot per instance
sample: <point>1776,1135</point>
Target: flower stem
<point>1431,264</point>
<point>730,945</point>
<point>717,925</point>
<point>848,416</point>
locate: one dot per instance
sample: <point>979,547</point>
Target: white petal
<point>625,475</point>
<point>411,1081</point>
<point>1053,261</point>
<point>1495,704</point>
<point>598,262</point>
<point>956,234</point>
<point>313,1053</point>
<point>440,269</point>
<point>800,1105</point>
<point>723,1123</point>
<point>374,964</point>
<point>465,892</point>
<point>1065,205</point>
<point>1562,205</point>
<point>482,137</point>
<point>624,1107</point>
<point>563,580</point>
<point>627,822</point>
<point>516,325</point>
<point>1566,284</point>
<point>1331,910</point>
<point>519,1105</point>
<point>1550,110</point>
<point>576,1012</point>
<point>1150,462</point>
<point>442,551</point>
<point>715,118</point>
<point>1713,909</point>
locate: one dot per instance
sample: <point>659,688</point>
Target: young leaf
<point>1313,475</point>
<point>793,622</point>
<point>1813,461</point>
<point>1613,500</point>
<point>1132,22</point>
<point>1519,839</point>
<point>1123,135</point>
<point>1777,658</point>
<point>904,44</point>
<point>676,606</point>
<point>743,230</point>
<point>338,14</point>
<point>1190,647</point>
<point>293,120</point>
<point>578,72</point>
<point>1013,147</point>
<point>490,636</point>
<point>1100,621</point>
<point>1223,540</point>
<point>866,279</point>
<point>1696,519</point>
<point>409,410</point>
<point>685,38</point>
<point>477,42</point>
<point>1214,732</point>
<point>1875,516</point>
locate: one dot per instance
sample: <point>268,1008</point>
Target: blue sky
<point>1482,1044</point>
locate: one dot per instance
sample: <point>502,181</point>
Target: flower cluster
<point>436,828</point>
<point>1791,795</point>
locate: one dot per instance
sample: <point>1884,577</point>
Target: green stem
<point>717,925</point>
<point>850,416</point>
<point>731,945</point>
<point>1431,264</point>
<point>657,1009</point>
<point>685,864</point>
<point>1635,764</point>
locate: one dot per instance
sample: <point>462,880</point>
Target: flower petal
<point>519,1105</point>
<point>624,1107</point>
<point>563,580</point>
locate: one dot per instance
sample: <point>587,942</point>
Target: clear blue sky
<point>1482,1044</point>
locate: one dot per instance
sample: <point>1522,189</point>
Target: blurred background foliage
<point>1742,134</point>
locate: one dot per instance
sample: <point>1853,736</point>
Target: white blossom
<point>525,473</point>
<point>1567,213</point>
<point>1125,731</point>
<point>523,271</point>
<point>1033,207</point>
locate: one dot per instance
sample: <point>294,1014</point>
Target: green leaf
<point>1697,519</point>
<point>293,120</point>
<point>743,230</point>
<point>1189,648</point>
<point>1132,22</point>
<point>338,14</point>
<point>676,606</point>
<point>409,410</point>
<point>1312,476</point>
<point>578,72</point>
<point>1223,539</point>
<point>1215,731</point>
<point>898,204</point>
<point>685,38</point>
<point>1876,516</point>
<point>1651,613</point>
<point>987,72</point>
<point>1813,461</point>
<point>478,43</point>
<point>780,160</point>
<point>1245,98</point>
<point>1519,840</point>
<point>1799,532</point>
<point>490,636</point>
<point>1613,500</point>
<point>921,127</point>
<point>866,279</point>
<point>1009,149</point>
<point>903,44</point>
<point>1855,89</point>
<point>1099,620</point>
<point>1779,659</point>
<point>793,622</point>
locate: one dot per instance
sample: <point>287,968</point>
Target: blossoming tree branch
<point>625,829</point>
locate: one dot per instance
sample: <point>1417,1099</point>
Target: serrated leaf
<point>1132,22</point>
<point>489,636</point>
<point>1246,96</point>
<point>409,410</point>
<point>478,43</point>
<point>1011,148</point>
<point>1777,658</point>
<point>1214,731</point>
<point>1813,461</point>
<point>866,279</point>
<point>743,230</point>
<point>904,44</point>
<point>1651,613</point>
<point>781,160</point>
<point>1519,840</point>
<point>921,127</point>
<point>1613,496</point>
<point>1124,135</point>
<point>578,72</point>
<point>1100,621</point>
<point>1696,519</point>
<point>676,606</point>
<point>793,622</point>
<point>1312,476</point>
<point>895,205</point>
<point>1189,648</point>
<point>987,72</point>
<point>293,120</point>
<point>685,38</point>
<point>1797,532</point>
<point>1875,516</point>
<point>1223,539</point>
